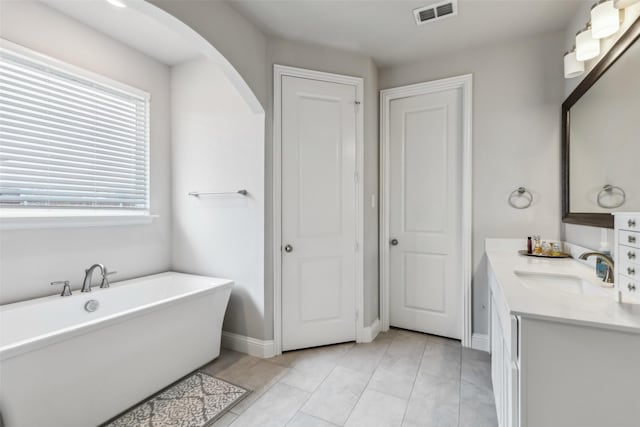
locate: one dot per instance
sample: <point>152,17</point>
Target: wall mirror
<point>601,138</point>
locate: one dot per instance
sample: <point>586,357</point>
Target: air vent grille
<point>435,12</point>
<point>445,9</point>
<point>427,14</point>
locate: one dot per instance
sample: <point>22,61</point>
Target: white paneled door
<point>318,212</point>
<point>425,291</point>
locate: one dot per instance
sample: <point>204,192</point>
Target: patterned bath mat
<point>195,401</point>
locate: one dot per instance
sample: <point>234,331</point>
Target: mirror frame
<point>620,47</point>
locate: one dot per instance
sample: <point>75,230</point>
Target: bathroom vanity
<point>564,352</point>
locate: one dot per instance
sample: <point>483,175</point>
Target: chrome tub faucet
<point>86,284</point>
<point>66,289</point>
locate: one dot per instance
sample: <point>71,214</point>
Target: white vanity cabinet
<point>627,253</point>
<point>550,371</point>
<point>504,358</point>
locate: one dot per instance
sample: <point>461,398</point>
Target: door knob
<point>394,242</point>
<point>288,248</point>
<point>631,271</point>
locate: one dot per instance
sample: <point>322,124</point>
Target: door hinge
<point>356,177</point>
<point>356,315</point>
<point>356,106</point>
<point>357,246</point>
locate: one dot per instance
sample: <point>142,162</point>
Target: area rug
<point>195,401</point>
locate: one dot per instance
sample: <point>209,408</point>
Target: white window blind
<point>70,139</point>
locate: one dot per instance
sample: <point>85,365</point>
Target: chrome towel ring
<point>611,190</point>
<point>520,193</point>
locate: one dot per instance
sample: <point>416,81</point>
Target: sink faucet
<point>86,284</point>
<point>608,277</point>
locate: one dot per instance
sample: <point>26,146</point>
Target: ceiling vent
<point>435,12</point>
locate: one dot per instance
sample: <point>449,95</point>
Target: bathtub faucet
<point>86,284</point>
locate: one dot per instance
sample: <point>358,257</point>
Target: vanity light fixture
<point>116,3</point>
<point>586,46</point>
<point>605,19</point>
<point>623,4</point>
<point>572,67</point>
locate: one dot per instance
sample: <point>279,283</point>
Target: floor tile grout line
<point>299,411</point>
<point>277,381</point>
<point>415,378</point>
<point>320,385</point>
<point>369,380</point>
<point>336,364</point>
<point>310,394</point>
<point>367,384</point>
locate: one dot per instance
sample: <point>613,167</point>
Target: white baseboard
<point>369,333</point>
<point>251,346</point>
<point>480,342</point>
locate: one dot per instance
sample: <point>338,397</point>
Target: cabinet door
<point>513,371</point>
<point>513,393</point>
<point>510,402</point>
<point>505,374</point>
<point>497,362</point>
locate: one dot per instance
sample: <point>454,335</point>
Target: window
<point>72,143</point>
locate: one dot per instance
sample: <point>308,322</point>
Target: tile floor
<point>401,379</point>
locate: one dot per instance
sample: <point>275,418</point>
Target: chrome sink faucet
<point>608,277</point>
<point>86,284</point>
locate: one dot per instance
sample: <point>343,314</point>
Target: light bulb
<point>572,67</point>
<point>605,19</point>
<point>586,46</point>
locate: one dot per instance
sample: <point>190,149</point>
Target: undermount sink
<point>549,282</point>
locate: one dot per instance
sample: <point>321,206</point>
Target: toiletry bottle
<point>601,267</point>
<point>529,245</point>
<point>537,248</point>
<point>546,248</point>
<point>555,249</point>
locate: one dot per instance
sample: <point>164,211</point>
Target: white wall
<point>517,93</point>
<point>301,55</point>
<point>30,259</point>
<point>590,237</point>
<point>241,42</point>
<point>218,145</point>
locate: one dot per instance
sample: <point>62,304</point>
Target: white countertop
<point>595,311</point>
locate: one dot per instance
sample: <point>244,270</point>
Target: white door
<point>318,213</point>
<point>425,290</point>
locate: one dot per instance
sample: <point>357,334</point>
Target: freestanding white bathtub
<point>62,366</point>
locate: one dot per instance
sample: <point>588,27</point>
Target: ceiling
<point>386,30</point>
<point>382,29</point>
<point>130,27</point>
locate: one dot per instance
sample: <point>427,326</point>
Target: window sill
<point>36,222</point>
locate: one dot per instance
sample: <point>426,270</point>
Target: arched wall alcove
<point>216,20</point>
<point>217,145</point>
